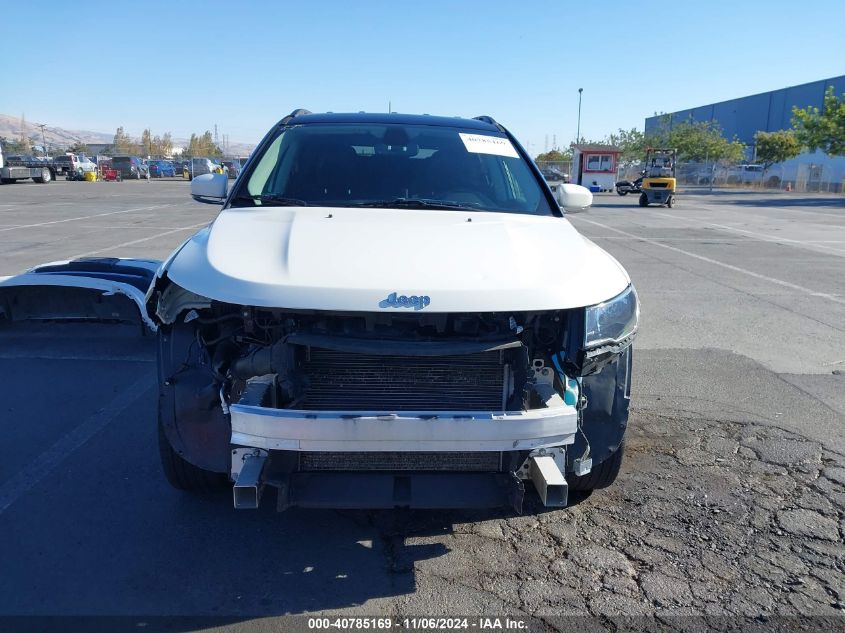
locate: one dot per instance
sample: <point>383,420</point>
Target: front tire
<point>183,475</point>
<point>643,200</point>
<point>601,476</point>
<point>670,202</point>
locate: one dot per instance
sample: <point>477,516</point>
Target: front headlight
<point>612,322</point>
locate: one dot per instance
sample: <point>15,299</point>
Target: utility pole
<point>43,141</point>
<point>578,134</point>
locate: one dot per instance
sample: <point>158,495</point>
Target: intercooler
<point>342,381</point>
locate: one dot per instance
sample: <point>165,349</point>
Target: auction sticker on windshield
<point>483,144</point>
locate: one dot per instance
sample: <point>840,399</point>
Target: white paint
<point>484,144</point>
<point>763,237</point>
<point>750,273</point>
<point>141,240</point>
<point>351,259</point>
<point>444,431</point>
<point>86,217</point>
<point>36,470</point>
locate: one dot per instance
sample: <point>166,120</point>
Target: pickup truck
<point>389,311</point>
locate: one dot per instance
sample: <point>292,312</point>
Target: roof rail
<point>488,119</point>
<point>293,115</point>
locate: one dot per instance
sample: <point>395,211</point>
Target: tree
<point>825,129</point>
<point>78,148</point>
<point>632,143</point>
<point>202,146</point>
<point>554,156</point>
<point>123,144</point>
<point>776,147</point>
<point>698,141</point>
<point>147,142</point>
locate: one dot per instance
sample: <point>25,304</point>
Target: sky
<point>182,67</point>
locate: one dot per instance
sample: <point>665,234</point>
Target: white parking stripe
<point>139,241</point>
<point>86,217</point>
<point>763,237</point>
<point>46,462</point>
<point>750,273</point>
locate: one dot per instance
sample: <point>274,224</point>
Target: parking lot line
<point>43,465</point>
<point>745,271</point>
<point>87,217</point>
<point>139,241</point>
<point>763,237</point>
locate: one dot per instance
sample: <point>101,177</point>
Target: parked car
<point>130,167</point>
<point>161,169</point>
<point>393,311</point>
<point>233,168</point>
<point>74,166</point>
<point>199,166</point>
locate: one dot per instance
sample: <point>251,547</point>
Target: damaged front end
<point>380,409</point>
<point>385,409</point>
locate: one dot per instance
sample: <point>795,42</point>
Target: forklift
<point>659,182</point>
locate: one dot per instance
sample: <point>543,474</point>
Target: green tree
<point>554,156</point>
<point>79,148</point>
<point>825,129</point>
<point>702,140</point>
<point>776,147</point>
<point>632,143</point>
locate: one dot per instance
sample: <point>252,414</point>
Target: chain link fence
<point>802,177</point>
<point>556,171</point>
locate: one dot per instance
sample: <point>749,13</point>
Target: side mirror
<point>209,188</point>
<point>574,197</point>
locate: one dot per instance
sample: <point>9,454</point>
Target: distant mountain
<point>10,127</point>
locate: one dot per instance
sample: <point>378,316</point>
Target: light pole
<point>578,134</point>
<point>43,141</point>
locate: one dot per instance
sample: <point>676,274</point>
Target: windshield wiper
<point>274,200</point>
<point>412,203</point>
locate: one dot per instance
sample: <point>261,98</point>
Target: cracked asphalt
<point>731,500</point>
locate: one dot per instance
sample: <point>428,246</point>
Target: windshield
<point>393,165</point>
<point>121,160</point>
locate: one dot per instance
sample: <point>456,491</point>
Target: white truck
<point>389,311</point>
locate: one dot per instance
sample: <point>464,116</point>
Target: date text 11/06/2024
<point>417,624</point>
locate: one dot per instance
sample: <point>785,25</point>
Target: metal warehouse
<point>767,111</point>
<point>770,111</point>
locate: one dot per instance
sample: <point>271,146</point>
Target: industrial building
<point>743,117</point>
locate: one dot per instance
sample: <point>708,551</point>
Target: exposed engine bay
<point>377,361</point>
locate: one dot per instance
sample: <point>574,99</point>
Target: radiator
<point>360,382</point>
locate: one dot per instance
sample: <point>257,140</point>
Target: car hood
<point>353,259</point>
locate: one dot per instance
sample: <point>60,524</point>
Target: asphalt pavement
<point>731,501</point>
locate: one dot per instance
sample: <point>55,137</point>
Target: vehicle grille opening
<point>400,461</point>
<point>359,382</point>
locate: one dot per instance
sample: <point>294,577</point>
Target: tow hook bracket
<point>548,480</point>
<point>249,479</point>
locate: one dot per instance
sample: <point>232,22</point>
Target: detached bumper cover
<point>99,288</point>
<point>458,431</point>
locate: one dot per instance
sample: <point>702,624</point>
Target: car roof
<point>393,117</point>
